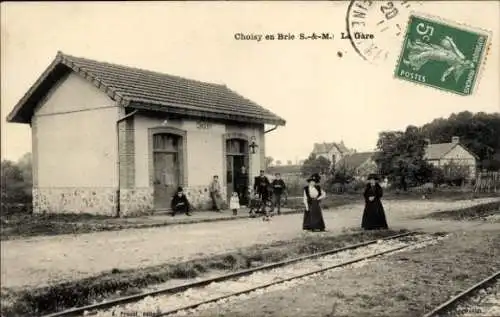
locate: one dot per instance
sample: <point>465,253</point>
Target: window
<point>235,146</point>
<point>165,142</point>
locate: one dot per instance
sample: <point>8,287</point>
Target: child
<point>234,203</point>
<point>254,204</point>
<point>257,205</point>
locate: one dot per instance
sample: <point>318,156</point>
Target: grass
<point>482,210</point>
<point>107,285</point>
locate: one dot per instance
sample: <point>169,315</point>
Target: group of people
<point>373,214</point>
<point>266,191</point>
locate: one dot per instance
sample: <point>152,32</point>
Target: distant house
<point>361,164</point>
<point>445,153</point>
<point>116,140</point>
<point>331,151</point>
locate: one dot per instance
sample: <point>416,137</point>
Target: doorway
<point>166,167</point>
<point>236,157</point>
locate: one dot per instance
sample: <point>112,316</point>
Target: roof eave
<point>206,114</point>
<point>14,116</point>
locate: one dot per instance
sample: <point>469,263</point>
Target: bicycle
<point>255,205</point>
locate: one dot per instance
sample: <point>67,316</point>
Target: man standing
<point>242,186</point>
<point>279,187</point>
<point>214,189</point>
<point>261,187</point>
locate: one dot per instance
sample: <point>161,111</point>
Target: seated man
<point>180,203</point>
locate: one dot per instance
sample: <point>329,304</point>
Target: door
<point>166,170</point>
<point>238,162</point>
<point>229,175</point>
<point>236,157</point>
<point>233,164</point>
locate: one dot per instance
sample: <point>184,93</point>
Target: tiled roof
<point>327,147</point>
<point>143,89</point>
<point>355,160</point>
<point>322,147</point>
<point>437,151</point>
<point>342,148</point>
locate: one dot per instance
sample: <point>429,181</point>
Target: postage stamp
<point>442,54</point>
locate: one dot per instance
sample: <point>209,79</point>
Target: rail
<point>463,295</point>
<point>78,311</point>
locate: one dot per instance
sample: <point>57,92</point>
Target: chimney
<point>455,139</point>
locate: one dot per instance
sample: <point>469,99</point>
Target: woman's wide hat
<point>314,177</point>
<point>373,176</point>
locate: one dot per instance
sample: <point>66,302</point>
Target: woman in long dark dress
<point>313,216</point>
<point>373,215</point>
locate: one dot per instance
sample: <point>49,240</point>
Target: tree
<point>401,156</point>
<point>388,154</point>
<point>278,163</point>
<point>269,161</point>
<point>315,164</point>
<point>25,166</point>
<point>13,184</point>
<point>17,181</point>
<point>289,162</point>
<point>343,175</point>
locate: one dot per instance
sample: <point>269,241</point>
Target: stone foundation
<point>97,201</point>
<point>136,201</point>
<point>101,201</point>
<point>199,197</point>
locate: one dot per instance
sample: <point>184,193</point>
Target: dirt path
<point>38,261</point>
<point>405,284</point>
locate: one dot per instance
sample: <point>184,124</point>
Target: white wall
<point>462,157</point>
<point>204,149</point>
<point>74,137</point>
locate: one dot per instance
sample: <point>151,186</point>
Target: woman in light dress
<point>313,194</point>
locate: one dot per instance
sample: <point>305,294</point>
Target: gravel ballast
<point>409,283</point>
<point>163,303</point>
<point>485,302</point>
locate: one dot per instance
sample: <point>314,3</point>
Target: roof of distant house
<point>327,147</point>
<point>439,150</point>
<point>355,160</point>
<point>142,89</point>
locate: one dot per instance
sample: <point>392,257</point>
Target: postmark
<point>442,54</point>
<point>386,20</point>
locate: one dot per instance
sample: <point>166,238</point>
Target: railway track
<point>452,306</point>
<point>239,283</point>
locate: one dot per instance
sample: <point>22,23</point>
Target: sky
<point>322,96</point>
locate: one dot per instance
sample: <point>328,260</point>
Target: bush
<point>295,185</point>
<point>16,184</point>
<point>357,185</point>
